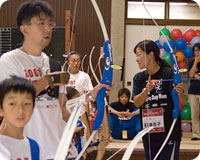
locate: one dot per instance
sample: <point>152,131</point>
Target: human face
<point>124,99</point>
<point>39,31</point>
<point>74,63</point>
<point>196,52</point>
<point>17,110</point>
<point>142,58</point>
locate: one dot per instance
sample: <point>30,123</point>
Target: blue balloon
<point>188,52</point>
<point>181,44</point>
<point>195,40</point>
<point>166,47</point>
<point>158,44</point>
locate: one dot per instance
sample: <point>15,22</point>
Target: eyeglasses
<point>43,24</point>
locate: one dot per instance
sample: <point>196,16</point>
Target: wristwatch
<point>90,97</point>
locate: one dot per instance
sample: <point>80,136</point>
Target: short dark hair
<point>71,92</point>
<point>197,45</point>
<point>72,53</point>
<point>30,9</point>
<point>124,91</point>
<point>16,84</point>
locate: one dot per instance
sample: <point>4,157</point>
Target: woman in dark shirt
<point>155,101</point>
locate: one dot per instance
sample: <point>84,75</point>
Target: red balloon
<point>197,33</point>
<point>176,34</point>
<point>189,35</point>
<point>182,65</point>
<point>181,107</point>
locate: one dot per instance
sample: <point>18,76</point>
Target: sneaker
<point>195,138</point>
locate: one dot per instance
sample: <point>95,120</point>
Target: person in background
<point>17,99</point>
<point>194,91</point>
<point>155,101</point>
<point>78,79</point>
<point>124,117</point>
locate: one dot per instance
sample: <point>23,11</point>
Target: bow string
<point>176,81</point>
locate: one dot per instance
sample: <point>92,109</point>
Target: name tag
<point>153,117</point>
<point>124,134</point>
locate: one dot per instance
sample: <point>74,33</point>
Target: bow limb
<point>82,68</point>
<point>101,21</point>
<point>133,143</point>
<point>91,66</point>
<point>70,127</point>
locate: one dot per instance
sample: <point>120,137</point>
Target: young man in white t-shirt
<point>17,99</point>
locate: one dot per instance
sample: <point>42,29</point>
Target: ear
<point>151,54</point>
<point>23,29</point>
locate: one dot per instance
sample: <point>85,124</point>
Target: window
<point>137,10</point>
<point>184,11</point>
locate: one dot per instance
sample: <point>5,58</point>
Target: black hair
<point>150,46</point>
<point>16,84</point>
<point>30,9</point>
<point>71,92</point>
<point>65,65</point>
<point>73,53</point>
<point>124,91</point>
<point>197,45</point>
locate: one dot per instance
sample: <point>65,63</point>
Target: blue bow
<point>106,79</point>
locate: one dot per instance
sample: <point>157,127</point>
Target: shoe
<point>195,138</point>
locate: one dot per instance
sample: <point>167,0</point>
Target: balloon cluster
<point>181,43</point>
<point>186,115</point>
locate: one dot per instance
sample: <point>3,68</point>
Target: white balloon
<point>2,1</point>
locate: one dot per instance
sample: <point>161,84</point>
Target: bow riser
<point>106,79</point>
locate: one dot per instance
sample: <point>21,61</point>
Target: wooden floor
<point>188,149</point>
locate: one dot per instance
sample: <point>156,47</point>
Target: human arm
<point>40,85</point>
<point>192,72</point>
<point>113,111</point>
<point>141,97</point>
<point>96,89</point>
<point>131,114</point>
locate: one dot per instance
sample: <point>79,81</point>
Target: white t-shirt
<point>81,81</point>
<point>14,149</point>
<point>46,124</point>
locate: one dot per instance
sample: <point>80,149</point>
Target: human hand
<point>121,114</point>
<point>150,85</point>
<point>179,88</point>
<point>98,87</point>
<point>129,114</point>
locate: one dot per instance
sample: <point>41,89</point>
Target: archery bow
<point>106,79</point>
<point>176,81</point>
